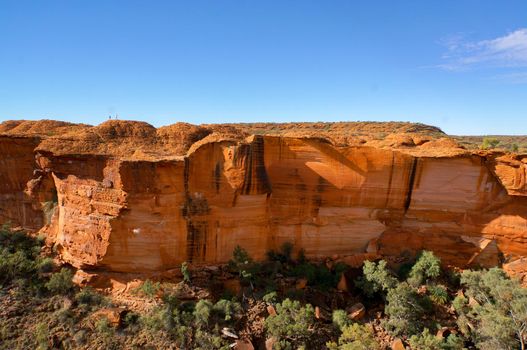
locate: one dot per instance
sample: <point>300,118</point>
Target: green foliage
<point>88,296</point>
<point>202,312</point>
<point>193,326</point>
<point>185,272</point>
<point>355,337</point>
<point>427,266</point>
<point>317,275</point>
<point>227,309</point>
<point>428,341</point>
<point>103,326</point>
<point>148,288</point>
<point>489,143</point>
<point>283,255</point>
<point>499,315</point>
<point>292,322</point>
<point>270,297</point>
<point>514,147</point>
<point>44,265</point>
<point>404,310</point>
<point>438,293</point>
<point>159,318</point>
<point>340,319</point>
<point>60,282</point>
<point>41,336</point>
<point>242,264</point>
<point>19,256</point>
<point>209,340</point>
<point>376,278</point>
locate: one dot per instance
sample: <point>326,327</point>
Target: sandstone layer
<point>127,197</point>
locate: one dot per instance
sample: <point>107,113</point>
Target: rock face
<point>126,197</point>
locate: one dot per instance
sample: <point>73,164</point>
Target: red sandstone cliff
<point>126,197</point>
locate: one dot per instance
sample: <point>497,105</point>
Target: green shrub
<point>428,341</point>
<point>283,255</point>
<point>227,309</point>
<point>489,143</point>
<point>60,282</point>
<point>499,317</point>
<point>19,256</point>
<point>88,296</point>
<point>340,319</point>
<point>185,272</point>
<point>103,326</point>
<point>41,336</point>
<point>355,337</point>
<point>292,322</point>
<point>376,278</point>
<point>317,275</point>
<point>148,288</point>
<point>242,264</point>
<point>159,318</point>
<point>404,310</point>
<point>270,297</point>
<point>205,340</point>
<point>427,266</point>
<point>438,293</point>
<point>202,312</point>
<point>44,265</point>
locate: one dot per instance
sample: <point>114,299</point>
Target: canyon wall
<point>139,213</point>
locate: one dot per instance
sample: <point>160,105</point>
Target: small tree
<point>428,341</point>
<point>185,272</point>
<point>404,310</point>
<point>489,143</point>
<point>340,319</point>
<point>376,278</point>
<point>355,337</point>
<point>500,314</point>
<point>427,266</point>
<point>148,288</point>
<point>292,322</point>
<point>60,282</point>
<point>242,263</point>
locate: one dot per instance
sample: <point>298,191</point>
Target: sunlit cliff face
<point>142,213</point>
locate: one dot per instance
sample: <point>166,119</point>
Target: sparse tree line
<point>479,309</point>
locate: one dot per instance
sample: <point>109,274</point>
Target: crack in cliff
<point>410,189</point>
<point>390,181</point>
<point>256,180</point>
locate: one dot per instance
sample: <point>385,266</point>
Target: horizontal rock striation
<point>127,197</point>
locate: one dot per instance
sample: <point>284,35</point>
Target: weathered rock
<point>243,345</point>
<point>301,283</point>
<point>397,344</point>
<point>357,311</point>
<point>271,310</point>
<point>229,333</point>
<point>113,315</point>
<point>233,285</point>
<point>343,283</point>
<point>125,197</point>
<point>269,343</point>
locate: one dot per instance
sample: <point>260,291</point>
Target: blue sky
<point>457,64</point>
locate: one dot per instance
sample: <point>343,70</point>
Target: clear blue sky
<point>460,65</point>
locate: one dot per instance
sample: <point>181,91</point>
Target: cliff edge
<point>124,196</point>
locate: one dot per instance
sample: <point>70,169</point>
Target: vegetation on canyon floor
<point>284,302</point>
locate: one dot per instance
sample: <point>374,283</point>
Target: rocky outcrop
<point>126,197</point>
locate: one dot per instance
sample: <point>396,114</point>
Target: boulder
<point>357,311</point>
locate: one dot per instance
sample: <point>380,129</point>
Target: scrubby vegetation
<point>285,301</point>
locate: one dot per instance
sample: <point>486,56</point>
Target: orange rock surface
<point>127,197</point>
